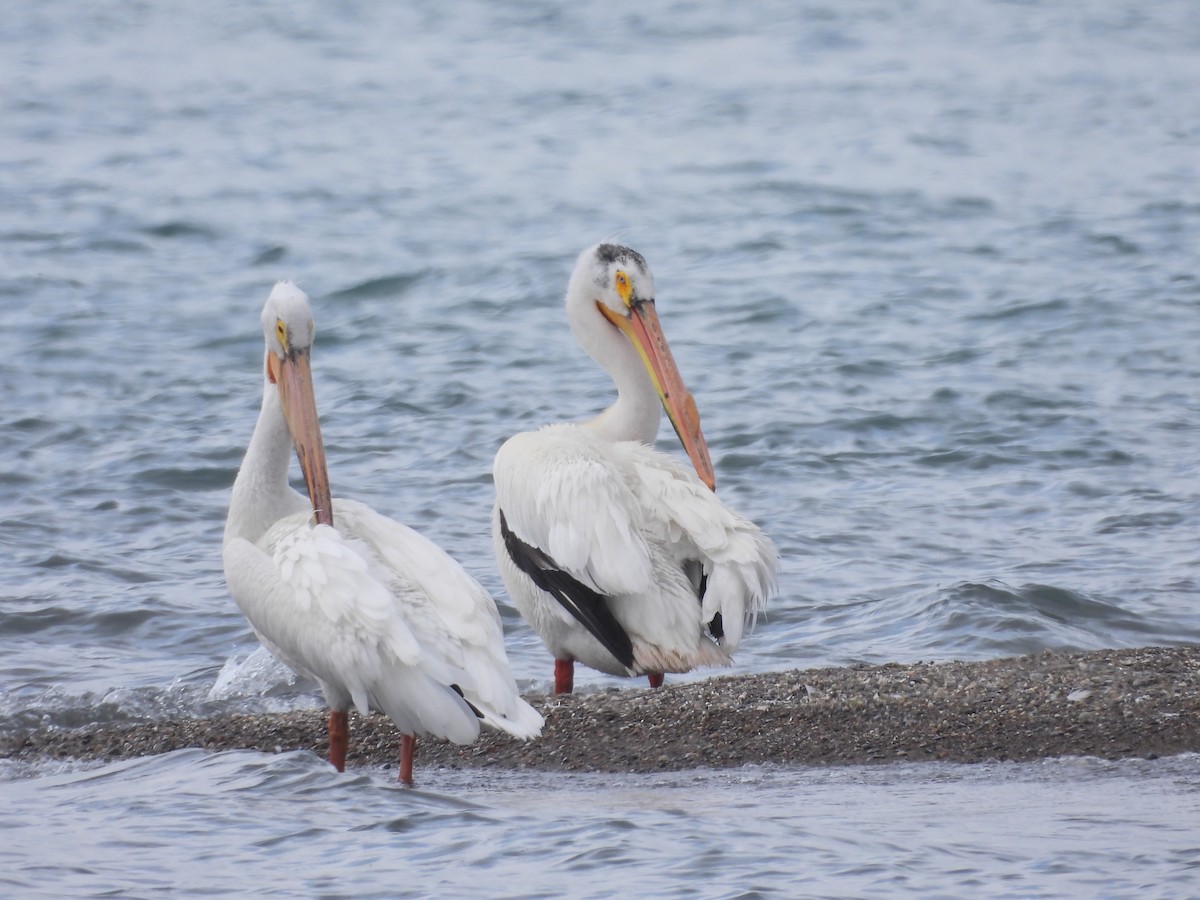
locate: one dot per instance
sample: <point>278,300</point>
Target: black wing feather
<point>589,607</point>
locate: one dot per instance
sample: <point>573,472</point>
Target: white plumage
<point>597,534</point>
<point>377,614</point>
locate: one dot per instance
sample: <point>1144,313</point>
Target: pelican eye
<point>281,333</point>
<point>621,283</point>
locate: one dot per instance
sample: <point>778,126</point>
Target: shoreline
<point>1107,703</point>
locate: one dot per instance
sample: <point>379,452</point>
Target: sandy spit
<point>1108,703</point>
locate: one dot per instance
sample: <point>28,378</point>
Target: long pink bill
<point>644,331</point>
<point>293,376</point>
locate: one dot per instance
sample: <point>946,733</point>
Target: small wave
<point>1114,243</point>
<point>194,478</point>
<point>43,768</point>
<point>50,618</point>
<point>966,459</point>
<point>1020,310</point>
<point>386,286</point>
<point>60,708</point>
<point>269,255</point>
<point>32,424</point>
<point>1170,208</point>
<point>260,674</point>
<point>1161,519</point>
<point>179,228</point>
<point>969,619</point>
<point>255,685</point>
<point>873,368</point>
<point>116,245</point>
<point>881,422</point>
<point>950,146</point>
<point>995,617</point>
<point>1024,400</point>
<point>32,237</point>
<point>966,207</point>
<point>64,561</point>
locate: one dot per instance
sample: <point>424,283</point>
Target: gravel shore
<point>1108,703</point>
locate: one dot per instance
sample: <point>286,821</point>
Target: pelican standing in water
<point>379,616</point>
<point>617,556</point>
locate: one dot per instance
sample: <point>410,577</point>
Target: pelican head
<point>612,287</point>
<point>287,323</point>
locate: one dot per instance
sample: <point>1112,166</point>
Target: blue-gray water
<point>929,268</point>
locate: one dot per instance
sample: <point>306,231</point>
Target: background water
<point>929,268</point>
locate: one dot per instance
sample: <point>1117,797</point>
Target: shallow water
<point>929,269</point>
<point>192,823</point>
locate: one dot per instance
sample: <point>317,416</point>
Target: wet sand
<point>1108,703</point>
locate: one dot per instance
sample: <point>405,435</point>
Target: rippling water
<point>194,823</point>
<point>929,268</point>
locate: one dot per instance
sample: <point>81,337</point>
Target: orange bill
<point>293,376</point>
<point>644,331</point>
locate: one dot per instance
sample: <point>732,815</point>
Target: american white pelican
<point>617,556</point>
<point>377,614</point>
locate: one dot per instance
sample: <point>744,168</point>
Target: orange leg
<point>564,676</point>
<point>339,738</point>
<point>655,679</point>
<point>408,746</point>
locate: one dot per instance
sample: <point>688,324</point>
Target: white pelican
<point>377,614</point>
<point>617,556</point>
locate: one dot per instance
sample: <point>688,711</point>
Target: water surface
<point>929,269</point>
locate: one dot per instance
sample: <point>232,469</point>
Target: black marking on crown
<point>589,607</point>
<point>611,253</point>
